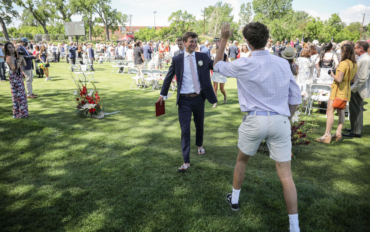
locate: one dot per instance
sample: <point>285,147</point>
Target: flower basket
<point>89,102</point>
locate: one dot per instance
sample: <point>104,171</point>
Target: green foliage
<point>181,22</point>
<point>109,17</point>
<point>276,9</point>
<point>13,32</point>
<point>146,34</point>
<point>245,14</point>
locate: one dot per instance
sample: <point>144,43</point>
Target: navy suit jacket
<point>27,58</point>
<point>147,52</point>
<point>72,52</point>
<point>91,53</point>
<point>177,68</point>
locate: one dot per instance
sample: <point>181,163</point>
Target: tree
<point>65,8</point>
<point>272,9</point>
<point>108,16</point>
<point>7,13</point>
<point>181,22</point>
<point>354,27</point>
<point>42,11</point>
<point>245,14</point>
<point>216,15</point>
<point>98,31</point>
<point>28,20</point>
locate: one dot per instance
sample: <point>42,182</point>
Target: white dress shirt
<point>187,85</point>
<point>265,82</point>
<point>121,51</point>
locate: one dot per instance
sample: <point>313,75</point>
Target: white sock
<point>293,223</point>
<point>235,196</point>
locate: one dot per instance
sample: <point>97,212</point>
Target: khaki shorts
<point>275,130</point>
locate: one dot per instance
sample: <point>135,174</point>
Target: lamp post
<point>154,18</point>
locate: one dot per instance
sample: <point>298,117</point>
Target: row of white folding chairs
<point>152,78</point>
<point>123,64</point>
<point>82,70</point>
<point>316,93</point>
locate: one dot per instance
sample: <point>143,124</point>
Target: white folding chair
<point>157,74</point>
<point>135,77</point>
<point>149,79</point>
<point>319,93</point>
<point>114,66</point>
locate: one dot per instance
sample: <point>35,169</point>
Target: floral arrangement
<point>88,101</point>
<point>298,136</point>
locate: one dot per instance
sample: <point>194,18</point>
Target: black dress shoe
<point>346,129</point>
<point>352,135</point>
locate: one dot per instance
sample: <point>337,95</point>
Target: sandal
<point>337,138</point>
<point>326,140</point>
<point>183,168</point>
<point>200,151</point>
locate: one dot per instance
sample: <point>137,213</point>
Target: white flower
<point>89,106</point>
<point>200,63</point>
<point>75,92</point>
<point>295,117</point>
<point>91,92</point>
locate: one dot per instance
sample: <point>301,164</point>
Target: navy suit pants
<point>186,107</point>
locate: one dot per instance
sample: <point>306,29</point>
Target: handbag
<point>338,103</point>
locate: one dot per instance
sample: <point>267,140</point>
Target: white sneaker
<point>46,79</point>
<point>50,79</point>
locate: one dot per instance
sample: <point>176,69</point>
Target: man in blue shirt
<point>2,64</point>
<point>148,53</point>
<point>206,50</point>
<point>72,53</point>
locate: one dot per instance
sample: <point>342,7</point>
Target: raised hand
<point>226,32</point>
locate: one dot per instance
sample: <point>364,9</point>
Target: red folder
<point>159,109</point>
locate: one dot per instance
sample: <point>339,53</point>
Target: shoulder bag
<point>341,103</point>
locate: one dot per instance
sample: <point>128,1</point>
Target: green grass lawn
<point>63,172</point>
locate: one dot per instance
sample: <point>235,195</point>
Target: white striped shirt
<point>265,82</point>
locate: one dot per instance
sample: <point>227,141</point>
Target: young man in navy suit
<point>192,70</point>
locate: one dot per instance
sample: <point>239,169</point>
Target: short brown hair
<point>363,44</point>
<point>313,49</point>
<point>179,39</point>
<point>189,34</point>
<point>305,53</point>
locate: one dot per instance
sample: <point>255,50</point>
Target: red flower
<point>90,110</point>
<point>82,102</point>
<point>299,133</point>
<point>94,110</point>
<point>77,99</point>
<point>307,142</point>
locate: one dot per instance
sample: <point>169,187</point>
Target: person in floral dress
<point>20,107</point>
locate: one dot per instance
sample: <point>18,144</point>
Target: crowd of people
<point>269,79</point>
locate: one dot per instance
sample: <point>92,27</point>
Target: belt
<point>189,94</point>
<point>262,113</point>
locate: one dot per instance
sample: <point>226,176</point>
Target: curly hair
<point>256,34</point>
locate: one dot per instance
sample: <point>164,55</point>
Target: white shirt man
<point>121,51</point>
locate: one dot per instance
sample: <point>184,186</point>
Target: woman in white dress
<point>245,51</point>
<point>218,78</point>
<point>326,61</point>
<point>130,53</point>
<point>305,65</point>
<point>313,58</point>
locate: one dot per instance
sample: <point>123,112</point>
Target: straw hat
<point>288,53</point>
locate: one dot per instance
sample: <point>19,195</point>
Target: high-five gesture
<point>226,32</point>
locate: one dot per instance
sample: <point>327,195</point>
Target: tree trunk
<point>5,31</point>
<point>107,30</point>
<point>47,37</point>
<point>90,28</point>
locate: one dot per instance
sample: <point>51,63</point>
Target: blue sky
<point>142,10</point>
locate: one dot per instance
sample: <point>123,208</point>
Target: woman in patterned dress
<point>20,107</point>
